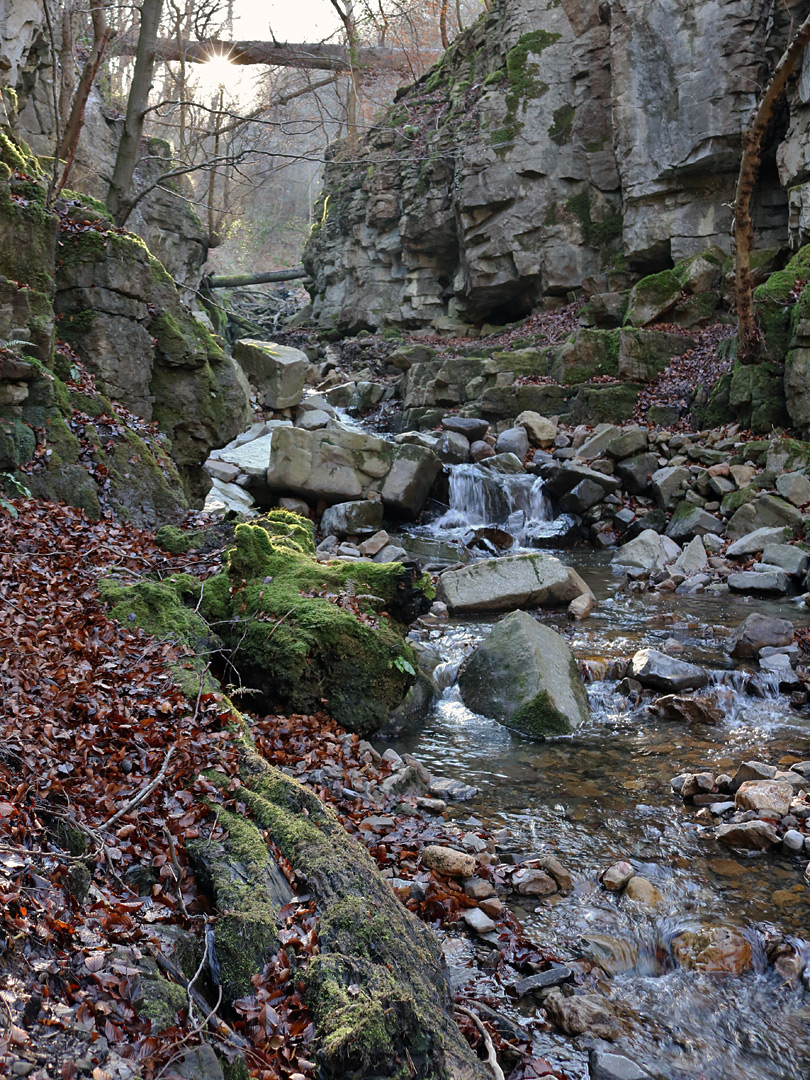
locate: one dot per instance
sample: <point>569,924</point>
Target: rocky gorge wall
<point>558,140</point>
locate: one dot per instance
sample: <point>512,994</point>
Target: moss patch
<point>539,718</point>
<point>523,83</point>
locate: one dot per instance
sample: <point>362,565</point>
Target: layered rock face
<point>553,142</point>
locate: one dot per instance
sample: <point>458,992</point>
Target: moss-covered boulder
<point>303,634</point>
<point>653,297</point>
<point>586,354</point>
<point>523,674</point>
<point>757,396</point>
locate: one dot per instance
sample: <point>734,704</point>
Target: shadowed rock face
<point>551,138</point>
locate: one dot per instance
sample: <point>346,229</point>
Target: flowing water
<point>604,794</point>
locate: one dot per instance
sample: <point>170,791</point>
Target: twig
<point>492,1058</point>
<point>178,872</point>
<point>144,792</point>
<point>194,978</point>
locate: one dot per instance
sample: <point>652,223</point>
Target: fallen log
<point>237,281</point>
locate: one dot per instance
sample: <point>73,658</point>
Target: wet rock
<point>694,784</point>
<point>480,451</point>
<point>581,606</point>
<point>559,872</point>
<point>536,580</point>
<point>524,675</point>
<point>759,632</point>
<point>562,479</point>
<point>772,796</point>
<point>543,980</point>
<point>643,892</point>
<point>478,921</point>
<point>472,428</point>
<point>448,861</point>
<point>717,809</point>
<point>661,672</point>
<point>751,581</point>
<point>478,889</point>
<point>513,441</point>
<point>277,371</point>
<point>533,882</point>
<point>581,1014</point>
<point>793,841</point>
<point>443,787</point>
<point>795,487</point>
<point>452,448</point>
<point>748,835</point>
<point>359,518</point>
<point>541,431</point>
<point>605,1066</point>
<point>616,876</point>
<point>667,484</point>
<point>751,770</point>
<point>717,949</point>
<point>697,710</point>
<point>635,472</point>
<point>779,667</point>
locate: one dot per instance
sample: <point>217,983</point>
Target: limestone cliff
<point>558,139</point>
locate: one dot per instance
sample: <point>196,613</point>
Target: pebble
<point>555,976</point>
<point>478,921</point>
<point>448,861</point>
<point>616,876</point>
<point>642,891</point>
<point>793,841</point>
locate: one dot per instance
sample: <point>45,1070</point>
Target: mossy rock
<point>291,623</point>
<point>653,297</point>
<point>757,396</point>
<point>586,354</point>
<point>539,719</point>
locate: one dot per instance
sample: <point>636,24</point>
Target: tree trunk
<point>129,147</point>
<point>750,339</point>
<point>75,120</point>
<point>235,281</point>
<point>443,24</point>
<point>320,56</point>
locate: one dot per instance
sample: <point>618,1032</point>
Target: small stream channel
<point>604,794</point>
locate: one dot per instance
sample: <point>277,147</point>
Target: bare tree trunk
<point>232,281</point>
<point>129,147</point>
<point>346,16</point>
<point>67,53</point>
<point>75,119</point>
<point>213,229</point>
<point>443,24</point>
<point>750,338</point>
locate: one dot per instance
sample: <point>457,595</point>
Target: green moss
<point>17,443</point>
<point>735,499</point>
<point>597,234</point>
<point>87,201</point>
<point>523,84</point>
<point>161,1002</point>
<point>158,607</point>
<point>11,155</point>
<point>539,718</point>
<point>178,541</point>
<point>294,643</point>
<point>562,128</point>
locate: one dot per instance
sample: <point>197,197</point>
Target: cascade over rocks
<point>549,138</point>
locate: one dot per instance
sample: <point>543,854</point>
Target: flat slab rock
<point>661,672</point>
<point>504,584</point>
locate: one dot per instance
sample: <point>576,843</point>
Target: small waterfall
<point>511,501</point>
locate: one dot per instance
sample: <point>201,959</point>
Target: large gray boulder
<point>653,668</point>
<point>760,632</point>
<point>362,517</point>
<point>647,551</point>
<point>524,675</point>
<point>278,372</point>
<point>536,580</point>
<point>339,465</point>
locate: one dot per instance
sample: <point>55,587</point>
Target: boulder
<point>793,560</point>
<point>767,581</point>
<point>253,458</point>
<point>628,443</point>
<point>717,949</point>
<point>597,444</point>
<point>339,465</point>
<point>795,487</point>
<point>616,876</point>
<point>513,441</point>
<point>541,431</point>
<point>472,428</point>
<point>278,372</point>
<point>535,580</point>
<point>636,472</point>
<point>765,796</point>
<point>523,674</point>
<point>647,551</point>
<point>754,541</point>
<point>661,672</point>
<point>359,518</point>
<point>689,521</point>
<point>751,770</point>
<point>748,835</point>
<point>693,557</point>
<point>760,632</point>
<point>586,494</point>
<point>642,891</point>
<point>452,448</point>
<point>448,861</point>
<point>652,297</point>
<point>313,419</point>
<point>480,451</point>
<point>582,1014</point>
<point>667,484</point>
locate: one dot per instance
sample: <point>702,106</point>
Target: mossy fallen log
<point>381,1003</point>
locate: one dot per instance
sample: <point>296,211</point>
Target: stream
<point>603,794</point>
